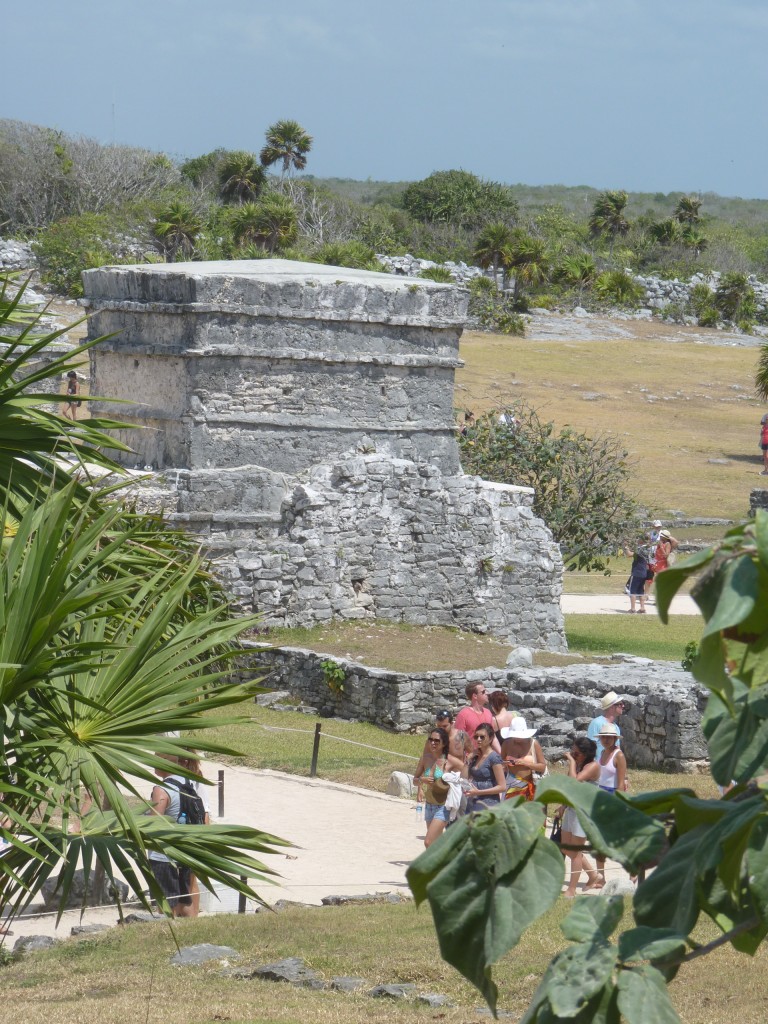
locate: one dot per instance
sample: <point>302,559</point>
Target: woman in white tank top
<point>613,776</point>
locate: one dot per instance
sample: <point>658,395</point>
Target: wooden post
<point>241,897</point>
<point>315,752</point>
<point>221,792</point>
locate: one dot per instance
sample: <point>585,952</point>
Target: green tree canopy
<point>580,482</point>
<point>608,217</point>
<point>241,177</point>
<point>271,223</point>
<point>458,197</point>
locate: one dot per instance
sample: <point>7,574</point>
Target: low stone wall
<point>661,724</point>
<point>758,498</point>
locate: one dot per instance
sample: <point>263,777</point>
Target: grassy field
<point>674,405</point>
<point>125,974</point>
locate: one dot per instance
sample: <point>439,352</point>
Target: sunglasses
<point>435,739</point>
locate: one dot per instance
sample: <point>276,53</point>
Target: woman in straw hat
<point>522,758</point>
<point>613,776</point>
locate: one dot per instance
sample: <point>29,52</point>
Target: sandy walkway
<point>618,604</point>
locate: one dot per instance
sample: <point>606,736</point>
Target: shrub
<point>482,286</point>
<point>708,317</point>
<point>496,313</point>
<point>701,297</point>
<point>70,246</point>
<point>440,274</point>
<point>732,294</point>
<point>347,254</point>
<point>618,287</point>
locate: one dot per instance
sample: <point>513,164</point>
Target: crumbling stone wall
<point>661,726</point>
<point>301,421</point>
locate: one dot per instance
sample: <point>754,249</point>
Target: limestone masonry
<point>301,419</point>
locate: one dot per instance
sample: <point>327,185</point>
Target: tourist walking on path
<point>653,536</point>
<point>764,443</point>
<point>612,706</point>
<point>662,555</point>
<point>172,879</point>
<point>638,578</point>
<point>430,768</point>
<point>583,767</point>
<point>613,776</point>
<point>192,764</point>
<point>486,772</point>
<point>502,716</point>
<point>476,713</point>
<point>523,758</point>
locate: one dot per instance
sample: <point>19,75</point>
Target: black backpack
<point>192,808</point>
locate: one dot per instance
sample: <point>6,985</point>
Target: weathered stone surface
<point>347,984</point>
<point>88,929</point>
<point>392,991</point>
<point>141,917</point>
<point>33,943</point>
<point>433,999</point>
<point>400,784</point>
<point>292,970</point>
<point>661,726</point>
<point>193,956</point>
<point>303,419</point>
<point>521,657</point>
<point>109,894</point>
<point>370,897</point>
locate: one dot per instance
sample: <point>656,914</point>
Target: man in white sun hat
<point>612,706</point>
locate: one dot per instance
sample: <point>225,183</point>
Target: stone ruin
<point>300,419</point>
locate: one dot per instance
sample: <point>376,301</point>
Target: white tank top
<point>608,772</point>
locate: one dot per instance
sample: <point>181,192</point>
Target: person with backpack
<point>192,764</point>
<point>764,443</point>
<point>174,798</point>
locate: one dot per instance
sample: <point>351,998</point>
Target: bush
<point>701,297</point>
<point>618,287</point>
<point>579,481</point>
<point>732,295</point>
<point>496,313</point>
<point>709,317</point>
<point>70,246</point>
<point>440,274</point>
<point>482,286</point>
<point>347,254</point>
<point>458,197</point>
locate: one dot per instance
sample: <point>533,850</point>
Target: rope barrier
<point>329,736</point>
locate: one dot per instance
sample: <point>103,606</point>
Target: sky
<point>643,95</point>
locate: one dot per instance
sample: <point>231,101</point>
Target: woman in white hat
<point>613,776</point>
<point>522,758</point>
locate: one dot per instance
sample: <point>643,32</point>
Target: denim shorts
<point>435,811</point>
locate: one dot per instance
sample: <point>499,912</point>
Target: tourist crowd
<point>487,753</point>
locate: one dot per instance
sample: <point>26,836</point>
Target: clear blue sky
<point>637,94</point>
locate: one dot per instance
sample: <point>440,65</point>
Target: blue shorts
<point>432,811</point>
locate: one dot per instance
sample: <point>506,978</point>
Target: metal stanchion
<point>315,752</point>
<point>220,785</point>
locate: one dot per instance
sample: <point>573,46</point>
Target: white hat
<point>518,730</point>
<point>657,522</point>
<point>609,730</point>
<point>609,700</point>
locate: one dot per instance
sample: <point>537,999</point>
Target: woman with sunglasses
<point>486,772</point>
<point>433,764</point>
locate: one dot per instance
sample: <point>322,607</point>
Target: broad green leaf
<point>500,840</point>
<point>709,665</point>
<point>737,595</point>
<point>661,801</point>
<point>761,535</point>
<point>667,897</point>
<point>578,974</point>
<point>592,918</point>
<point>757,866</point>
<point>730,910</point>
<point>612,824</point>
<point>668,583</point>
<point>643,997</point>
<point>650,943</point>
<point>478,919</point>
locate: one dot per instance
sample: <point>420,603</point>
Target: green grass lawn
<point>643,635</point>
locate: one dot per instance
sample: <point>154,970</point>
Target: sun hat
<point>657,522</point>
<point>609,729</point>
<point>666,535</point>
<point>518,730</point>
<point>610,699</point>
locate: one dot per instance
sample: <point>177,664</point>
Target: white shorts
<point>571,824</point>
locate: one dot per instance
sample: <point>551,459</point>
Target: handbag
<point>557,831</point>
<point>440,788</point>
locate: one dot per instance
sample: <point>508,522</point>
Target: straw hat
<point>610,730</point>
<point>518,730</point>
<point>609,700</point>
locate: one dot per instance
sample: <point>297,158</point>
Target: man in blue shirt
<point>612,706</point>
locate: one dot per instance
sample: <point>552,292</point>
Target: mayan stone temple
<point>300,418</point>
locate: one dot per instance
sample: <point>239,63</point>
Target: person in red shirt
<point>476,712</point>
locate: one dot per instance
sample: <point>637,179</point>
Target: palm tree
<point>287,142</point>
<point>761,375</point>
<point>608,215</point>
<point>270,223</point>
<point>687,210</point>
<point>241,177</point>
<point>111,635</point>
<point>491,248</point>
<point>176,229</point>
<point>527,256</point>
<point>579,269</point>
<point>666,232</point>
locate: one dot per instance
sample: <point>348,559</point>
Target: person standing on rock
<point>476,713</point>
<point>764,443</point>
<point>612,706</point>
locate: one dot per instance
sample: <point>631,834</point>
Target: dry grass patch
<point>674,405</point>
<point>125,975</point>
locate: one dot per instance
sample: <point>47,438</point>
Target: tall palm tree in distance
<point>608,216</point>
<point>687,210</point>
<point>491,248</point>
<point>287,142</point>
<point>241,177</point>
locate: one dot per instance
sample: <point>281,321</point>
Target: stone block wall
<point>661,726</point>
